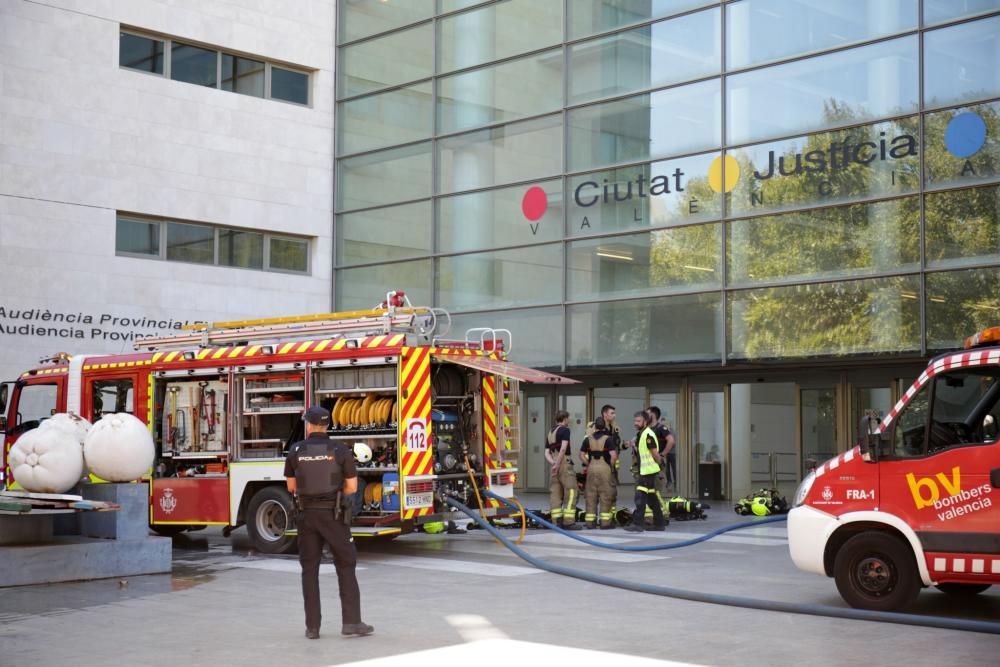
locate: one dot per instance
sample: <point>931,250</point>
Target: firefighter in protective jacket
<point>562,480</point>
<point>599,456</point>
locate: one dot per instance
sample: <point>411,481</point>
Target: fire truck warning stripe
<point>376,341</point>
<point>397,340</point>
<point>221,352</point>
<point>286,348</point>
<point>237,351</point>
<point>322,345</point>
<point>254,349</point>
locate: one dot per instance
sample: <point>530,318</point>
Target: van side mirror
<point>4,393</point>
<point>871,440</point>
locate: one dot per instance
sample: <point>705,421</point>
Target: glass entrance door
<point>708,427</point>
<point>537,418</point>
<point>818,421</point>
<point>764,444</point>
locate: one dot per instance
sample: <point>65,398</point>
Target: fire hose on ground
<point>939,622</point>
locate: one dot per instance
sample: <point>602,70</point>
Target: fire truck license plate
<point>419,500</point>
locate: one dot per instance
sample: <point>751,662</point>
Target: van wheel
<point>269,515</point>
<point>876,571</point>
<point>963,590</point>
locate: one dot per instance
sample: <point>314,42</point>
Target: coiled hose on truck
<point>940,622</point>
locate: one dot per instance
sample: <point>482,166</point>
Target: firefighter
<point>614,443</point>
<point>599,457</point>
<point>562,480</point>
<point>321,476</point>
<point>648,455</point>
<point>665,442</point>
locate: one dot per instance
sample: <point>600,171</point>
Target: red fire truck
<point>224,402</point>
<point>916,503</point>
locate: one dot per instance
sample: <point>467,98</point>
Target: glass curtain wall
<point>630,183</point>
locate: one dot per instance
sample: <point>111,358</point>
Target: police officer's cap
<point>317,415</point>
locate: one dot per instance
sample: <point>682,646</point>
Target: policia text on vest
<point>647,449</point>
<point>320,474</point>
<point>562,479</point>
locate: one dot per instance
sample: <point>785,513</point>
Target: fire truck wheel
<point>876,571</point>
<point>963,590</point>
<point>268,516</point>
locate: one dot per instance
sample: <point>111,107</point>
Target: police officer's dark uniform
<point>317,469</point>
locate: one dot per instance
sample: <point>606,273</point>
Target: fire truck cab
<point>428,417</point>
<point>916,504</point>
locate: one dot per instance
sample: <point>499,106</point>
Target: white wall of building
<point>81,138</point>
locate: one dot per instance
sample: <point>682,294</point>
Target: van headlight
<point>803,490</point>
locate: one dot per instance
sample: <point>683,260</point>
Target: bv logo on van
<point>927,492</point>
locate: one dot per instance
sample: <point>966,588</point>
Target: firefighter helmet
<point>760,507</point>
<point>362,452</point>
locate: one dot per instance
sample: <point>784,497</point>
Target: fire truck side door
<point>115,392</point>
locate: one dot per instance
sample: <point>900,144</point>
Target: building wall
<point>82,138</point>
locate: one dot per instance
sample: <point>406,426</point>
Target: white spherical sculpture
<point>70,423</point>
<point>47,460</point>
<point>119,448</point>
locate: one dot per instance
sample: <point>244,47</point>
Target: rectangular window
<point>140,53</point>
<point>242,75</point>
<point>688,47</point>
<point>242,249</point>
<point>587,18</point>
<point>360,287</point>
<point>109,397</point>
<point>643,331</point>
<point>384,234</point>
<point>190,243</point>
<point>537,333</point>
<point>137,237</point>
<point>35,403</point>
<point>963,226</point>
<point>403,56</point>
<point>289,85</point>
<point>857,84</point>
<point>879,315</point>
<point>758,31</point>
<point>962,145</point>
<point>965,410</point>
<point>657,262</point>
<point>825,243</point>
<point>525,87</point>
<point>497,31</point>
<point>672,121</point>
<point>503,278</point>
<point>384,119</point>
<point>360,19</point>
<point>520,151</point>
<point>193,64</point>
<point>960,63</point>
<point>960,303</point>
<point>287,254</point>
<point>386,177</point>
<point>939,11</point>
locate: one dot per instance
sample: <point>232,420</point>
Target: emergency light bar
<point>990,336</point>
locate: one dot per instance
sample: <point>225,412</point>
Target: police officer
<point>562,480</point>
<point>320,474</point>
<point>597,454</point>
<point>647,452</point>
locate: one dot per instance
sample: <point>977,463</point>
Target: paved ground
<point>447,599</point>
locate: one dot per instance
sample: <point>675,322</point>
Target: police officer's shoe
<point>312,634</point>
<point>357,629</point>
<point>634,528</point>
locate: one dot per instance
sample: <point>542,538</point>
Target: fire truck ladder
<point>509,421</point>
<point>399,317</point>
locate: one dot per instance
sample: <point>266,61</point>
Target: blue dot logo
<point>965,134</point>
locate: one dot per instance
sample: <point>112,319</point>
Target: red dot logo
<point>534,204</point>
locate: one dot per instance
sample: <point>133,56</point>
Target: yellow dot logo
<point>715,174</point>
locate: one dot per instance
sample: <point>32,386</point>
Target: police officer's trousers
<point>562,494</point>
<point>317,526</point>
<point>599,491</point>
<point>645,495</point>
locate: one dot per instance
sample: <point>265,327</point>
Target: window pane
<point>866,82</point>
<point>243,249</point>
<point>396,117</point>
<point>141,53</point>
<point>520,151</point>
<point>37,402</point>
<point>586,18</point>
<point>827,168</point>
<point>242,75</point>
<point>192,64</point>
<point>360,19</point>
<point>289,85</point>
<point>384,234</point>
<point>537,333</point>
<point>454,5</point>
<point>359,288</point>
<point>498,31</point>
<point>960,62</point>
<point>190,243</point>
<point>137,236</point>
<point>523,276</point>
<point>667,52</point>
<point>826,243</point>
<point>761,30</point>
<point>963,226</point>
<point>289,255</point>
<point>678,120</point>
<point>861,316</point>
<point>109,397</point>
<point>384,178</point>
<point>509,91</point>
<point>671,192</point>
<point>938,11</point>
<point>960,303</point>
<point>646,330</point>
<point>504,217</point>
<point>963,145</point>
<point>387,61</point>
<point>963,410</point>
<point>663,261</point>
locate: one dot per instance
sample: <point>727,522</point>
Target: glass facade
<point>627,183</point>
